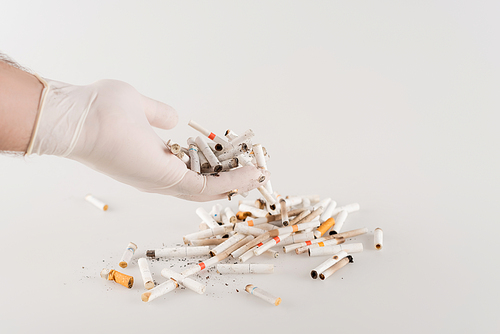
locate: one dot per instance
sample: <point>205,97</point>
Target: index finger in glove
<point>213,187</point>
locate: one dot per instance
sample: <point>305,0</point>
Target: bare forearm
<point>19,98</point>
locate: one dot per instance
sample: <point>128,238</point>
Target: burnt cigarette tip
<point>350,259</point>
<point>218,147</point>
<point>149,285</point>
<point>123,264</point>
<point>217,168</point>
<point>272,207</point>
<point>145,296</point>
<point>333,232</point>
<point>262,178</point>
<point>322,277</point>
<point>150,253</point>
<point>314,274</point>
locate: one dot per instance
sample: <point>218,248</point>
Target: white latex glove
<point>107,126</point>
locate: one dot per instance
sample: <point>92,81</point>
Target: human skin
<point>20,94</point>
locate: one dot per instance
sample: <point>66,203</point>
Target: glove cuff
<point>62,112</point>
<point>29,150</point>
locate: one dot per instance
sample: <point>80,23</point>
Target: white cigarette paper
<point>253,210</point>
<point>264,295</point>
<point>297,238</point>
<point>187,282</point>
<point>226,244</point>
<point>146,273</point>
<point>194,158</point>
<point>207,152</point>
<point>251,268</point>
<point>248,254</point>
<point>96,202</point>
<point>127,255</point>
<point>323,203</point>
<point>339,222</point>
<point>327,264</point>
<point>261,163</point>
<point>378,238</point>
<point>271,243</point>
<point>231,215</point>
<point>179,251</point>
<point>327,241</point>
<point>236,253</point>
<point>267,195</point>
<point>334,249</point>
<point>328,213</point>
<point>206,217</point>
<point>242,139</point>
<point>284,212</point>
<point>207,133</point>
<point>337,266</point>
<point>248,230</point>
<point>159,291</point>
<point>254,222</point>
<point>211,232</point>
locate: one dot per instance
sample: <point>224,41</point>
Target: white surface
<point>402,96</point>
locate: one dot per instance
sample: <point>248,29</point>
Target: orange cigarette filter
<point>242,215</point>
<point>324,227</point>
<point>120,278</point>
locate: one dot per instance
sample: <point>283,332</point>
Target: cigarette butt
<point>245,229</point>
<point>179,251</point>
<point>351,233</point>
<point>120,278</point>
<point>226,244</point>
<point>127,255</point>
<point>185,281</point>
<point>96,202</point>
<point>324,227</point>
<point>328,213</point>
<point>159,290</point>
<point>206,242</point>
<point>378,238</point>
<point>146,273</point>
<point>242,215</point>
<point>339,222</point>
<point>299,217</point>
<point>336,267</point>
<point>264,295</point>
<point>241,268</point>
<point>327,264</point>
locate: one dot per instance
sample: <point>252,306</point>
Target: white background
<point>390,104</point>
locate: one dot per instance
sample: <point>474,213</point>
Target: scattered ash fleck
<point>226,284</point>
<point>237,290</point>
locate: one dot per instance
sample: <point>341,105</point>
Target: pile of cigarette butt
<point>220,155</point>
<point>268,225</point>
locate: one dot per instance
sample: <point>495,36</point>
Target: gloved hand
<point>108,126</point>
